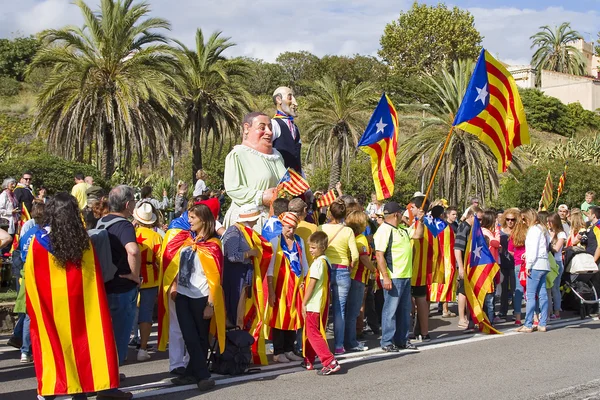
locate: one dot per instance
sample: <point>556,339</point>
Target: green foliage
<point>9,86</point>
<point>299,69</point>
<point>55,173</point>
<point>16,55</point>
<point>409,90</point>
<point>264,77</point>
<point>426,38</point>
<point>525,189</point>
<point>16,138</point>
<point>355,70</point>
<point>547,113</point>
<point>586,150</point>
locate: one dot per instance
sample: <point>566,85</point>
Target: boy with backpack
<point>315,307</point>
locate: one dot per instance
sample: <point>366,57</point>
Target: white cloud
<point>265,28</point>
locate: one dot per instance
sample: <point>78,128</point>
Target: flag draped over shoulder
<point>324,310</point>
<point>71,330</point>
<point>173,241</point>
<point>547,193</point>
<point>326,199</point>
<point>380,142</point>
<point>256,305</point>
<point>293,183</point>
<point>445,291</point>
<point>22,219</point>
<point>492,110</point>
<point>480,270</point>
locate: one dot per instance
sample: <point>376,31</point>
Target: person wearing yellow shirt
<point>78,191</point>
<point>342,252</point>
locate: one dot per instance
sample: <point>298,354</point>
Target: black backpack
<point>237,356</point>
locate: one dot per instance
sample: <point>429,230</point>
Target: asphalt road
<point>559,364</point>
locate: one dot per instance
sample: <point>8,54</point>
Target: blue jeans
<point>353,305</point>
<point>536,284</point>
<point>122,311</point>
<point>488,306</point>
<point>395,317</point>
<point>340,286</point>
<point>26,347</point>
<point>518,295</point>
<point>556,299</point>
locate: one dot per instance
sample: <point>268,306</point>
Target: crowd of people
<point>273,266</point>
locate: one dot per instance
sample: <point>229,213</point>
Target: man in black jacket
<point>23,192</point>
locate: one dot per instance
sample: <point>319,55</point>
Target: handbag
<point>523,275</point>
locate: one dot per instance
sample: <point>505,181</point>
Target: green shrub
<point>9,86</point>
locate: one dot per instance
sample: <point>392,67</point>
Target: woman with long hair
<point>198,295</point>
<point>537,267</point>
<point>508,221</point>
<point>9,207</point>
<point>516,248</point>
<point>558,239</point>
<point>577,225</point>
<point>492,238</point>
<point>63,279</point>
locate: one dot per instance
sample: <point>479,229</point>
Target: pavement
<point>559,364</point>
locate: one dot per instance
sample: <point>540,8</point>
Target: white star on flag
<point>482,94</point>
<point>380,125</point>
<point>292,255</point>
<point>477,251</point>
<point>270,224</point>
<point>439,223</point>
<point>429,219</point>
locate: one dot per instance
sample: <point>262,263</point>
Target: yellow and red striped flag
<point>326,199</point>
<point>480,271</point>
<point>22,219</point>
<point>293,183</point>
<point>380,142</point>
<point>149,241</point>
<point>492,110</point>
<point>72,336</point>
<point>547,193</point>
<point>257,303</point>
<point>446,291</point>
<point>561,182</point>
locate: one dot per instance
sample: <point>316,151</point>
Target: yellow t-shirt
<point>317,271</point>
<point>78,192</point>
<point>342,249</point>
<point>304,230</point>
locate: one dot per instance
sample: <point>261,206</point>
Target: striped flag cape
<point>445,291</point>
<point>380,142</point>
<point>326,199</point>
<point>561,181</point>
<point>426,253</point>
<point>293,183</point>
<point>547,198</point>
<point>169,268</point>
<point>149,241</point>
<point>257,303</point>
<point>324,312</point>
<point>480,270</point>
<point>287,311</point>
<point>71,330</point>
<point>492,110</point>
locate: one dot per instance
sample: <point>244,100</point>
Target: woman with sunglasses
<point>507,261</point>
<point>516,248</point>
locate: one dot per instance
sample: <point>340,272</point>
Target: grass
<point>7,297</point>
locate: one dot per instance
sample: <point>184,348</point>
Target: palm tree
<point>214,97</point>
<point>468,166</point>
<point>554,52</point>
<point>111,86</point>
<point>338,114</point>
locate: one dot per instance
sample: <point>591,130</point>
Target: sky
<point>264,28</point>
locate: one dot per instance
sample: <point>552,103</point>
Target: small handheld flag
<point>293,183</point>
<point>561,181</point>
<point>492,110</point>
<point>546,200</point>
<point>380,142</point>
<point>326,199</point>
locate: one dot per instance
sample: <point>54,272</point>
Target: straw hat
<point>143,214</point>
<point>248,213</point>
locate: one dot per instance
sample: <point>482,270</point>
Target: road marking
<point>284,369</point>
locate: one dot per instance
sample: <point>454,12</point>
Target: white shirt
<point>199,188</point>
<point>198,283</point>
<point>558,254</point>
<point>536,249</point>
<point>276,129</point>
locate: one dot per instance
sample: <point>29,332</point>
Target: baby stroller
<point>580,273</point>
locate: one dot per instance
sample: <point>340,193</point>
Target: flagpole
<point>556,204</point>
<point>437,167</point>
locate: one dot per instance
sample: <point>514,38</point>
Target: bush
<point>9,86</point>
<point>55,173</point>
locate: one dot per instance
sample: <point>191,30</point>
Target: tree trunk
<point>108,153</point>
<point>336,165</point>
<point>196,151</point>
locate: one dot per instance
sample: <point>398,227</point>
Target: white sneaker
<point>143,355</point>
<point>290,355</point>
<point>25,358</point>
<point>281,358</point>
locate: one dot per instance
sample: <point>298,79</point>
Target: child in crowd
<point>315,308</point>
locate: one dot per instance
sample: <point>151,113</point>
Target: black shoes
<point>391,348</point>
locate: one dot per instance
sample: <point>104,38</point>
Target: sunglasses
<point>510,219</point>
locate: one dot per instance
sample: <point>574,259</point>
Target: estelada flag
<point>71,330</point>
<point>149,241</point>
<point>324,306</point>
<point>169,268</point>
<point>480,270</point>
<point>380,142</point>
<point>326,199</point>
<point>426,253</point>
<point>492,110</point>
<point>446,291</point>
<point>293,183</point>
<point>256,305</point>
<point>547,193</point>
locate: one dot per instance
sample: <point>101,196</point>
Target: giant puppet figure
<point>286,136</point>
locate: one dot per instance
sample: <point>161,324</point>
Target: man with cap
<point>393,251</point>
<point>149,240</point>
<point>285,278</point>
<point>563,213</point>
